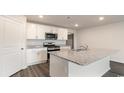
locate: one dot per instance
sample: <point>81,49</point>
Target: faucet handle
<point>84,46</point>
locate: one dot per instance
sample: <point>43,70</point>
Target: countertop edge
<point>69,60</point>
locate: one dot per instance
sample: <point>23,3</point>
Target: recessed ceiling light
<point>76,25</point>
<point>41,16</point>
<point>101,18</point>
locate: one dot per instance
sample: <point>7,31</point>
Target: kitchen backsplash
<point>31,42</point>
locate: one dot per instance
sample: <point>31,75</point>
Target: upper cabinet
<point>47,29</point>
<point>54,30</point>
<point>40,32</point>
<point>62,34</point>
<point>37,31</point>
<point>31,31</point>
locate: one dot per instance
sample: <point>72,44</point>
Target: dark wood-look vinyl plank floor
<point>42,70</point>
<point>39,70</point>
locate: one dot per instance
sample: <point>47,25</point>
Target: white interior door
<point>1,44</point>
<point>12,42</point>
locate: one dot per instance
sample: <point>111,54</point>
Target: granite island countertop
<point>84,57</point>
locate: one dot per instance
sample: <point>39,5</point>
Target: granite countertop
<point>41,46</point>
<point>35,46</point>
<point>84,57</point>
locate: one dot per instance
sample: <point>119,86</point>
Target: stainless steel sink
<point>77,50</point>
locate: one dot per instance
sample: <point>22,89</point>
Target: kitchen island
<point>69,63</point>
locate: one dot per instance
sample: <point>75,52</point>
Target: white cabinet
<point>41,32</point>
<point>60,37</point>
<point>62,34</point>
<point>47,29</point>
<point>37,31</point>
<point>36,55</point>
<point>31,31</point>
<point>65,34</point>
<point>42,29</point>
<point>54,30</point>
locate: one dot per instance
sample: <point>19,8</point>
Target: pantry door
<point>12,46</point>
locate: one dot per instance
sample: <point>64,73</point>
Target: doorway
<point>70,41</point>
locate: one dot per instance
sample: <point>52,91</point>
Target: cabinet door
<point>41,54</point>
<point>41,32</point>
<point>36,55</point>
<point>54,30</point>
<point>62,34</point>
<point>29,57</point>
<point>31,31</point>
<point>47,29</point>
<point>65,34</point>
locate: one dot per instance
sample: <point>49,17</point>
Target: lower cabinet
<point>62,34</point>
<point>58,67</point>
<point>36,55</point>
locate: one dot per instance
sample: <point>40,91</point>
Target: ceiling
<point>68,21</point>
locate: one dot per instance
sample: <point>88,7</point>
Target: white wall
<point>108,36</point>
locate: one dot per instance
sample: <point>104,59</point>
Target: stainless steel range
<point>51,47</point>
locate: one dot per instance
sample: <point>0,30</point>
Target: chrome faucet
<point>84,47</point>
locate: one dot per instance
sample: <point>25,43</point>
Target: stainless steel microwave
<point>51,36</point>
